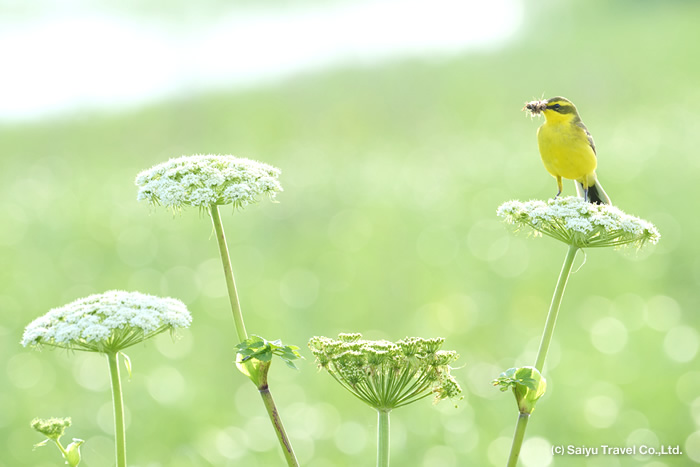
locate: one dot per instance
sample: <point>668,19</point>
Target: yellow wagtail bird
<point>567,148</point>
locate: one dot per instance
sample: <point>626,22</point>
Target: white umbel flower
<point>578,223</point>
<point>108,322</point>
<point>205,180</point>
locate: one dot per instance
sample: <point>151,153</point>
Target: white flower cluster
<point>205,180</point>
<point>576,222</point>
<point>107,322</point>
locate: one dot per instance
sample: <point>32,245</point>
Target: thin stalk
<point>544,347</point>
<point>554,307</point>
<point>243,335</point>
<point>287,449</point>
<point>228,273</point>
<point>119,430</point>
<point>383,437</point>
<point>518,439</point>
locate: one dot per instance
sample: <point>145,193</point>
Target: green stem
<point>518,439</point>
<point>287,449</point>
<point>243,335</point>
<point>544,346</point>
<point>119,430</point>
<point>228,273</point>
<point>554,307</point>
<point>383,437</point>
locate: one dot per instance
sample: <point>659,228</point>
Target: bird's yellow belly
<point>565,152</point>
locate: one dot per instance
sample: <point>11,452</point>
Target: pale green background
<point>392,175</point>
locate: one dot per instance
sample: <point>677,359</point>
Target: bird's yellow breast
<point>565,150</point>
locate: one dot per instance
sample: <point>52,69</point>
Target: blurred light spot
<point>248,263</point>
<point>609,335</point>
<point>231,442</point>
<point>601,411</point>
<point>137,246</point>
<point>105,417</point>
<point>488,240</point>
<point>91,372</point>
<point>692,446</point>
<point>210,274</point>
<point>166,385</point>
<point>182,283</point>
<point>499,449</point>
<point>444,456</point>
<point>299,288</point>
<point>145,280</point>
<point>8,408</point>
<point>337,270</point>
<point>687,386</point>
<point>176,346</point>
<point>265,439</point>
<point>536,452</point>
<point>631,309</point>
<point>98,451</point>
<point>480,375</point>
<point>437,246</point>
<point>591,309</point>
<point>349,230</point>
<point>695,411</point>
<point>351,438</point>
<point>663,313</point>
<point>24,370</point>
<point>514,262</point>
<point>247,402</point>
<point>642,436</point>
<point>681,343</point>
<point>12,215</point>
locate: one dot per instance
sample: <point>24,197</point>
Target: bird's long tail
<point>596,193</point>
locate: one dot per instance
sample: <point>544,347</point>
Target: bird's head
<point>555,109</point>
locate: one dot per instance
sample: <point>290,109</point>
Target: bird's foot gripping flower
<point>386,375</point>
<point>578,223</point>
<point>206,180</point>
<point>108,322</point>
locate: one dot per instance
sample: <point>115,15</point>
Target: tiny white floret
<point>206,180</point>
<point>579,223</point>
<point>108,322</point>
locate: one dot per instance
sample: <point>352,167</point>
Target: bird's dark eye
<point>556,106</point>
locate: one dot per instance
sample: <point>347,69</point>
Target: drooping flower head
<point>386,375</point>
<point>205,180</point>
<point>578,223</point>
<point>108,322</point>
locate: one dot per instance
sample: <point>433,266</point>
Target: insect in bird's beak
<point>535,107</point>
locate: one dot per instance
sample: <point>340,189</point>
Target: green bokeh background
<point>392,175</point>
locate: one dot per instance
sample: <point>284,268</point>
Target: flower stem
<point>518,439</point>
<point>554,307</point>
<point>279,427</point>
<point>228,273</point>
<point>119,430</point>
<point>243,335</point>
<point>544,347</point>
<point>383,437</point>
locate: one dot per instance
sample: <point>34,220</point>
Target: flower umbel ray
<point>386,375</point>
<point>578,223</point>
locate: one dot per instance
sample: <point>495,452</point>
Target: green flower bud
<point>527,383</point>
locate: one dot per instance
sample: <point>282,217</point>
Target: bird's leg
<point>560,186</point>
